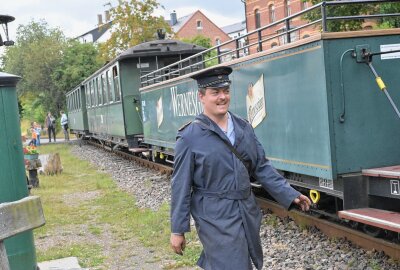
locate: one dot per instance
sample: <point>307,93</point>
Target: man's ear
<point>201,95</point>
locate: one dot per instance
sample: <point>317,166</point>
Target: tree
<point>390,22</point>
<point>206,43</point>
<point>36,54</point>
<point>50,65</point>
<point>78,62</point>
<point>340,10</point>
<point>133,23</point>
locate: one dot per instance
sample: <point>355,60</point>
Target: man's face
<point>215,101</point>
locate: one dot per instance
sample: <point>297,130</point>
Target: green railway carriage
<point>317,109</point>
<point>299,87</point>
<point>107,106</point>
<point>77,113</point>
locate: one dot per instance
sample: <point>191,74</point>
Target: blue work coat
<point>229,229</point>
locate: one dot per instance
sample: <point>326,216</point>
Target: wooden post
<point>17,217</point>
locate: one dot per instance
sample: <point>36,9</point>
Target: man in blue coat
<point>212,183</point>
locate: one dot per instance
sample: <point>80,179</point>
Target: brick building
<point>263,12</point>
<point>197,24</point>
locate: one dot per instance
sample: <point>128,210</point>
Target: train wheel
<point>353,224</point>
<point>372,230</point>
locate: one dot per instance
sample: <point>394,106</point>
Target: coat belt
<point>240,194</point>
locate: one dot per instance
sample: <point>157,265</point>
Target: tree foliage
<point>49,64</point>
<point>133,23</point>
<point>355,9</point>
<point>36,54</point>
<point>390,22</point>
<point>339,10</point>
<point>206,43</point>
<point>78,62</point>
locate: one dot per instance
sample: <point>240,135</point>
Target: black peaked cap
<point>217,77</point>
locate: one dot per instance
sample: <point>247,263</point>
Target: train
<point>323,106</point>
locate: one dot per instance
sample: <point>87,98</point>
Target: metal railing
<point>205,58</point>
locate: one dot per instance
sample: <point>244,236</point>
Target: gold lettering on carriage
<point>185,104</point>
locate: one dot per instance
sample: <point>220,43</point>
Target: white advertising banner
<point>255,102</point>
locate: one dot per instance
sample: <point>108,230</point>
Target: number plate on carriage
<point>326,183</point>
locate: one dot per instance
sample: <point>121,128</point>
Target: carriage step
<point>392,172</point>
<point>387,220</point>
<point>138,150</point>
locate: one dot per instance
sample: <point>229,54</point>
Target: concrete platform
<point>70,263</point>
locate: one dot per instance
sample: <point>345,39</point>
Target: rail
<point>219,54</point>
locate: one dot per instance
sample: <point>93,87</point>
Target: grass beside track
<point>82,204</point>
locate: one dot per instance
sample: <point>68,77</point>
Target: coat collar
<point>238,123</point>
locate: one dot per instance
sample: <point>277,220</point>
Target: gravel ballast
<point>285,245</point>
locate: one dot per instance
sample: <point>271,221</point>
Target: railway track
<point>329,228</point>
<point>334,230</point>
<point>144,162</point>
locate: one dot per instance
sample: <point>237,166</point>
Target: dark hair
<point>202,91</point>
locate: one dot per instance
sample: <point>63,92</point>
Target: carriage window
<point>73,101</point>
<point>117,90</point>
<point>104,87</point>
<point>99,91</point>
<point>91,94</point>
<point>87,90</point>
<point>68,102</point>
<point>109,85</point>
<point>94,85</point>
<point>76,105</point>
<point>79,99</point>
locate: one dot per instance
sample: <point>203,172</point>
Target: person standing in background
<point>33,138</point>
<point>38,130</point>
<point>50,124</point>
<point>64,124</point>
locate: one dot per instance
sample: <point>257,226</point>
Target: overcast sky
<point>75,17</point>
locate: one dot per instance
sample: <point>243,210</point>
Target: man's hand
<point>178,243</point>
<point>303,202</point>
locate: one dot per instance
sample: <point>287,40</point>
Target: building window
<point>271,12</point>
<point>304,4</point>
<point>257,18</point>
<point>199,25</point>
<point>217,41</point>
<point>287,8</point>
